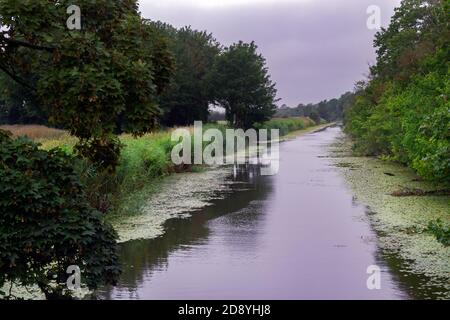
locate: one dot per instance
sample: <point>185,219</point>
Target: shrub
<point>46,222</point>
<point>441,232</point>
<point>410,124</point>
<point>144,158</point>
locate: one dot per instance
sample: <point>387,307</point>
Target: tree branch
<point>16,78</point>
<point>27,45</point>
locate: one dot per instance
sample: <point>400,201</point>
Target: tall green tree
<point>188,97</point>
<point>416,30</point>
<point>241,85</point>
<point>95,81</point>
<point>402,111</point>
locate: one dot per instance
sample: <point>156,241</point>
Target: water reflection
<point>297,235</point>
<point>141,259</point>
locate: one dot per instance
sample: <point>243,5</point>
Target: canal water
<point>296,235</point>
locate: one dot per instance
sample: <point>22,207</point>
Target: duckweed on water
<point>401,222</point>
<point>177,196</point>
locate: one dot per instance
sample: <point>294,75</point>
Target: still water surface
<point>296,235</point>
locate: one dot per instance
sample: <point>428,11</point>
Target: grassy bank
<point>287,125</point>
<point>144,162</point>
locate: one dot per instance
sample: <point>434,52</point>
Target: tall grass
<point>287,125</point>
<point>143,162</point>
<point>35,132</point>
<point>147,157</point>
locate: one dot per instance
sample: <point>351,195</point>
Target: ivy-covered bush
<point>47,224</point>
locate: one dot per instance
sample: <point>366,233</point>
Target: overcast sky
<point>315,49</point>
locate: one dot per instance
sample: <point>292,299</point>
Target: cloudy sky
<point>315,49</point>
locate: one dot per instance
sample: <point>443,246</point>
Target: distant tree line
<point>328,110</point>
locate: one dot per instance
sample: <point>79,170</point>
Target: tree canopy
<point>403,110</point>
<point>189,96</point>
<point>241,85</point>
<point>94,81</point>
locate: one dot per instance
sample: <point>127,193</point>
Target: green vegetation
<point>188,96</point>
<point>242,86</point>
<point>18,105</point>
<point>47,223</point>
<point>287,125</point>
<point>95,81</point>
<point>403,111</point>
<point>107,86</point>
<point>121,74</point>
<point>441,232</point>
<point>142,163</point>
<point>401,223</point>
<point>327,110</point>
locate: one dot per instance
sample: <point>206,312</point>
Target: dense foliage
<point>403,111</point>
<point>46,222</point>
<point>95,81</point>
<point>440,231</point>
<point>241,84</point>
<point>189,96</point>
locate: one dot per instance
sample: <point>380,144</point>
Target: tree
<point>95,81</point>
<point>242,86</point>
<point>415,31</point>
<point>315,116</point>
<point>402,111</point>
<point>47,224</point>
<point>329,110</point>
<point>188,97</point>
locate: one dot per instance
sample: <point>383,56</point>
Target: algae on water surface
<point>400,222</point>
<point>177,196</point>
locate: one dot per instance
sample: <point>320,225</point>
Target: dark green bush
<point>441,232</point>
<point>46,222</point>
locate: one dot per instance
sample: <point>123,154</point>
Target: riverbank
<point>302,221</point>
<point>142,194</point>
<point>298,133</point>
<point>145,192</point>
<point>143,213</point>
<point>401,222</point>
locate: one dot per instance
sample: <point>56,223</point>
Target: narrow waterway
<point>296,235</point>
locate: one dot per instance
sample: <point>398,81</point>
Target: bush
<point>441,232</point>
<point>411,125</point>
<point>144,158</point>
<point>46,222</point>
